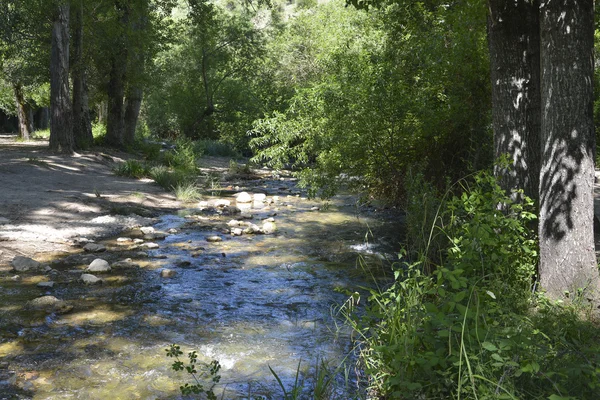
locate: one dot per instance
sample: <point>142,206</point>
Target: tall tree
<point>567,256</point>
<point>514,46</point>
<point>82,125</point>
<point>61,124</point>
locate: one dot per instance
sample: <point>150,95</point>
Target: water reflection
<point>249,301</point>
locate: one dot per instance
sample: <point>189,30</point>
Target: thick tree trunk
<point>132,112</point>
<point>61,124</point>
<point>567,257</point>
<point>23,113</point>
<point>513,39</point>
<point>82,125</point>
<point>115,126</point>
<point>115,122</point>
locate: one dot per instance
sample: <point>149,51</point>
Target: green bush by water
<point>473,327</point>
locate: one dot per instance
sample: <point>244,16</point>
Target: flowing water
<point>251,302</point>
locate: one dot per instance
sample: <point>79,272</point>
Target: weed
<point>197,370</point>
<point>187,192</point>
<point>132,168</point>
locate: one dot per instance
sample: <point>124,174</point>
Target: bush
<point>132,168</point>
<point>472,328</point>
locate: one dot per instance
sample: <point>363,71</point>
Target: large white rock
<point>243,197</point>
<point>22,264</point>
<point>260,197</point>
<point>269,227</point>
<point>90,279</point>
<point>99,265</point>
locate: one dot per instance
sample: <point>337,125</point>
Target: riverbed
<point>252,301</point>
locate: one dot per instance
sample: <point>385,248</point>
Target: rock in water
<point>236,231</point>
<point>269,228</point>
<point>214,239</point>
<point>99,265</point>
<point>90,279</point>
<point>94,248</point>
<point>243,197</point>
<point>49,304</point>
<point>46,285</point>
<point>167,273</point>
<point>22,264</point>
<point>260,197</point>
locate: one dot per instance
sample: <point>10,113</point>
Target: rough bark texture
<point>513,39</point>
<point>82,124</point>
<point>115,122</point>
<point>567,257</point>
<point>133,104</point>
<point>24,113</point>
<point>61,124</point>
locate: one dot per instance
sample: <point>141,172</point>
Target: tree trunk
<point>132,112</point>
<point>23,113</point>
<point>61,124</point>
<point>115,123</point>
<point>82,125</point>
<point>567,258</point>
<point>116,90</point>
<point>513,39</point>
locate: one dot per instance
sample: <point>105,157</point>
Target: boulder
<point>90,279</point>
<point>49,304</point>
<point>246,215</point>
<point>98,265</point>
<point>214,239</point>
<point>126,263</point>
<point>45,285</point>
<point>236,232</point>
<point>150,245</point>
<point>94,248</point>
<point>147,230</point>
<point>167,273</point>
<point>243,197</point>
<point>259,197</point>
<point>269,228</point>
<point>22,264</point>
<point>251,229</point>
<point>222,203</point>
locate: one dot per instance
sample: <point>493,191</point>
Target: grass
<point>187,192</point>
<point>217,148</point>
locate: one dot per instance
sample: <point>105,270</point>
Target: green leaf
<point>489,346</point>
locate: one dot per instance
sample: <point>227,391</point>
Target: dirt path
<point>47,201</point>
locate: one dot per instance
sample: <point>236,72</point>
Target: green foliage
<point>468,328</point>
<point>375,94</point>
<point>182,157</point>
<point>218,148</point>
<point>132,168</point>
<point>99,133</point>
<point>187,192</point>
<point>197,370</point>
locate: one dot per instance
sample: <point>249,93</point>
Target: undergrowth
<point>470,325</point>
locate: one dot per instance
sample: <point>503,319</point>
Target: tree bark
<point>23,113</point>
<point>61,124</point>
<point>82,124</point>
<point>567,257</point>
<point>513,40</point>
<point>133,104</point>
<point>115,123</point>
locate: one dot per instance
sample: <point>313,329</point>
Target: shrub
<point>187,192</point>
<point>132,168</point>
<point>472,328</point>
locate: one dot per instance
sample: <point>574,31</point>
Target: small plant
<point>197,370</point>
<point>42,134</point>
<point>132,168</point>
<point>217,148</point>
<point>187,192</point>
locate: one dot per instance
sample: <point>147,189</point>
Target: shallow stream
<point>251,302</point>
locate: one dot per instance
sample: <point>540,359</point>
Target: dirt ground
<point>48,201</point>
